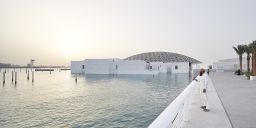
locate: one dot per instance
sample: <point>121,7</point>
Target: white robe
<point>204,85</point>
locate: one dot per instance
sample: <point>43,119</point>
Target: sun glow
<point>68,48</point>
<point>68,52</point>
<point>68,43</point>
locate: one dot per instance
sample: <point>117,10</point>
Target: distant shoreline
<point>36,67</point>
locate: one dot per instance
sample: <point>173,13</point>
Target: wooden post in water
<point>76,78</point>
<point>26,71</point>
<point>15,78</point>
<point>3,77</point>
<point>28,75</point>
<point>32,77</point>
<point>50,72</point>
<point>12,76</point>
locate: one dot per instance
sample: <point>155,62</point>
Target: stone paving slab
<point>238,96</point>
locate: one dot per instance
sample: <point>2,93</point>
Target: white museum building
<point>230,64</point>
<point>144,63</point>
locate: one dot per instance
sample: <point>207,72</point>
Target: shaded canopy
<point>162,57</point>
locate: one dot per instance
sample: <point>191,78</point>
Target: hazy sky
<point>57,31</point>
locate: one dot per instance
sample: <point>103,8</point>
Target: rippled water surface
<point>95,101</point>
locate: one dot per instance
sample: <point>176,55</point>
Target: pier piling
<point>76,78</point>
<point>15,78</point>
<point>28,75</point>
<point>3,77</point>
<point>32,77</point>
<point>12,76</point>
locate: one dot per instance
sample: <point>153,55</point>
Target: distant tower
<point>32,62</point>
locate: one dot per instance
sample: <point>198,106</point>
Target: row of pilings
<point>14,78</point>
<point>30,72</point>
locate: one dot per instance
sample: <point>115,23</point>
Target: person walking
<point>203,81</point>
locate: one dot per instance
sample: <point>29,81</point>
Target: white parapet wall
<point>173,116</point>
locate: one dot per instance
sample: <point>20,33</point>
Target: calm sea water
<point>95,101</point>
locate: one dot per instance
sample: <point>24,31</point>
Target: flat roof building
<point>144,63</point>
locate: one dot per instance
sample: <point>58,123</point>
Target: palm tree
<point>251,47</point>
<point>253,50</point>
<point>240,51</point>
<point>248,51</point>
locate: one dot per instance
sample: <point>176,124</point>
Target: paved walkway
<point>238,96</point>
<point>197,118</point>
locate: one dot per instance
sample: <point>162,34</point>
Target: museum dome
<point>164,57</point>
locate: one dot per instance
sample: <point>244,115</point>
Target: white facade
<point>77,66</point>
<point>230,64</point>
<point>120,66</point>
<point>175,67</point>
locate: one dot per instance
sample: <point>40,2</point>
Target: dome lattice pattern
<point>162,57</point>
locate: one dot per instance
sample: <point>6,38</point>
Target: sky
<point>54,32</point>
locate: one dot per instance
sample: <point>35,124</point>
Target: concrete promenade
<point>232,99</point>
<point>238,96</point>
<point>197,118</point>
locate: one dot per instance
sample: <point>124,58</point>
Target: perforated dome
<point>162,57</point>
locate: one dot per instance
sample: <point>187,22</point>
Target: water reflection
<point>56,100</point>
<point>162,78</point>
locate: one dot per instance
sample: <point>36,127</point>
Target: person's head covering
<point>201,72</point>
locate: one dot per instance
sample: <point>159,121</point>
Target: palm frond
<point>253,47</point>
<point>247,49</point>
<point>240,49</point>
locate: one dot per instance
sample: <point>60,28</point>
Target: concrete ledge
<point>252,77</point>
